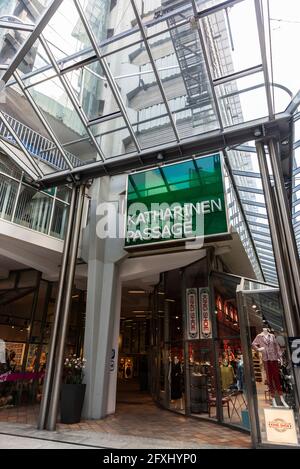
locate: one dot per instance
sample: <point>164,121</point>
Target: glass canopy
<point>101,82</point>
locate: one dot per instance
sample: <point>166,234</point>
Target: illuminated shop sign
<point>192,314</point>
<point>176,202</point>
<point>204,312</point>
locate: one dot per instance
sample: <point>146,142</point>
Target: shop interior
<point>27,305</point>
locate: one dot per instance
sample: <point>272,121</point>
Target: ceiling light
<point>136,292</point>
<point>257,133</point>
<point>176,317</point>
<point>169,299</point>
<point>161,293</point>
<point>254,306</point>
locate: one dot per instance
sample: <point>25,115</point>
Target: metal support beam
<point>283,206</point>
<point>155,71</point>
<point>57,320</point>
<point>262,42</point>
<point>16,26</point>
<point>43,21</point>
<point>71,95</point>
<point>290,315</point>
<point>65,310</point>
<point>42,119</point>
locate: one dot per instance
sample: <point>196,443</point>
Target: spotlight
<point>257,133</point>
<point>160,156</point>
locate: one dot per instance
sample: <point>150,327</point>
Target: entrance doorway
<point>133,376</point>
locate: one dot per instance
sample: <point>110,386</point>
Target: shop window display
<point>203,392</point>
<point>274,400</point>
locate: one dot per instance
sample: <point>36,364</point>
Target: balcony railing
<point>38,145</point>
<point>42,211</point>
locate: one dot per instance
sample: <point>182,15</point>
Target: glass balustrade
<point>45,212</point>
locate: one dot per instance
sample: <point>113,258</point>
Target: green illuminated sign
<point>176,202</point>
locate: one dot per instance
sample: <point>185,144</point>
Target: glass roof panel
<point>228,35</point>
<point>181,68</point>
<point>284,19</point>
<point>243,99</point>
<point>18,12</point>
<point>113,137</point>
<point>92,91</point>
<point>65,33</point>
<point>11,42</point>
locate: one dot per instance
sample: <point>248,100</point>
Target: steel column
<point>283,206</point>
<point>68,286</point>
<point>56,324</point>
<point>290,316</point>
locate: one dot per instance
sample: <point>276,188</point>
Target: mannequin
<point>266,343</point>
<point>176,381</point>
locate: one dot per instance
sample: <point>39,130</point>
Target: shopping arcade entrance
<point>242,308</point>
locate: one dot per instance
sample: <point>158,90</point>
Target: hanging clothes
<point>176,381</point>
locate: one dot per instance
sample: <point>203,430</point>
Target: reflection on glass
<point>203,392</point>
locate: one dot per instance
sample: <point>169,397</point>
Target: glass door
<point>269,378</point>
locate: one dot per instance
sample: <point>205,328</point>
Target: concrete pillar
<point>103,304</point>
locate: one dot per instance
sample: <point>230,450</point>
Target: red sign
<point>192,314</point>
<point>205,321</point>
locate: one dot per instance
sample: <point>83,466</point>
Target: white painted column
<point>103,306</point>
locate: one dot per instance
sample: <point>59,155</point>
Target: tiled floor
<point>137,415</point>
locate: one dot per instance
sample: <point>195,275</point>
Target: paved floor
<point>137,421</point>
<point>17,442</point>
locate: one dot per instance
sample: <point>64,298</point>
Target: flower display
<point>73,369</point>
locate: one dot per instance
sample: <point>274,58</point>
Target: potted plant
<point>73,390</point>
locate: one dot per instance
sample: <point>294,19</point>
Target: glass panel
<point>228,36</point>
<point>229,351</point>
<point>236,99</point>
<point>141,95</point>
<point>284,25</point>
<point>60,219</point>
<point>74,38</point>
<point>10,42</point>
<point>113,137</point>
<point>92,91</point>
<point>8,192</point>
<point>271,362</point>
<point>182,70</point>
<point>33,209</point>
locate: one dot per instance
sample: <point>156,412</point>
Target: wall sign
<point>294,343</point>
<point>280,426</point>
<point>176,202</point>
<point>204,313</point>
<point>192,314</point>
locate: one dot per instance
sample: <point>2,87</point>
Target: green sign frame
<point>176,203</point>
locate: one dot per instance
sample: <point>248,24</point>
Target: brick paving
<point>139,416</point>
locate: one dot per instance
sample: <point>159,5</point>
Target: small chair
<point>212,402</point>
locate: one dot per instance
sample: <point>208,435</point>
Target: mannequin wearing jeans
<point>266,343</point>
